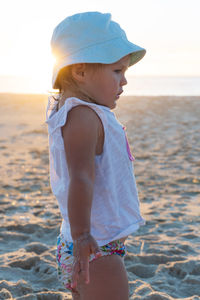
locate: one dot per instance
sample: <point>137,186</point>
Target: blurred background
<point>161,113</point>
<point>168,30</point>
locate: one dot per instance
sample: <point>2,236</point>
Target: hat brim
<point>106,53</point>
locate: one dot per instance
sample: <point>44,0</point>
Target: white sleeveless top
<point>115,209</point>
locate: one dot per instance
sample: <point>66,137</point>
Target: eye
<point>118,71</point>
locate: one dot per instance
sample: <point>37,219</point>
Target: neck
<point>67,94</point>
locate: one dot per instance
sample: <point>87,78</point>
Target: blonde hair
<point>65,79</point>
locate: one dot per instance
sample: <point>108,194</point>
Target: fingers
<point>82,250</point>
<point>83,266</point>
<point>85,269</point>
<point>75,274</point>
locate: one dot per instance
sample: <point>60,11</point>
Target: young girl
<point>91,170</point>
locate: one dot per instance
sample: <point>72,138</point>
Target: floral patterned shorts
<point>64,257</point>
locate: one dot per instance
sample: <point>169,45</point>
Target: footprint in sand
<point>38,248</point>
<point>142,271</point>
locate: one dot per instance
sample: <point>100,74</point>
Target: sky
<point>168,29</point>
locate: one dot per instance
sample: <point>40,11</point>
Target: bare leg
<point>108,280</point>
<point>75,296</point>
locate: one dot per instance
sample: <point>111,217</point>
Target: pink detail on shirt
<point>131,157</point>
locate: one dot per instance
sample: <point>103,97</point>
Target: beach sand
<point>163,260</point>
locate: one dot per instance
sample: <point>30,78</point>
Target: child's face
<point>104,85</point>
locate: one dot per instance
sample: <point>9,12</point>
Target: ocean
<point>160,86</point>
<point>137,85</point>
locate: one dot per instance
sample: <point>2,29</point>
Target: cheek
<point>116,81</point>
<point>118,78</point>
<point>112,85</point>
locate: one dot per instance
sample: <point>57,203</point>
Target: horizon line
<point>136,75</point>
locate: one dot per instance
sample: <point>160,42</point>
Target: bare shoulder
<point>84,113</point>
<point>83,118</point>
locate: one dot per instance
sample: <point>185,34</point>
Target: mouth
<point>118,95</point>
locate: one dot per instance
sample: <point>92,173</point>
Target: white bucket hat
<point>90,37</point>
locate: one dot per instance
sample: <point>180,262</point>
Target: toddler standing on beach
<point>91,171</point>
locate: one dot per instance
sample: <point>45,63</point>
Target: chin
<point>114,105</point>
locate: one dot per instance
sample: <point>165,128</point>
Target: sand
<point>163,260</point>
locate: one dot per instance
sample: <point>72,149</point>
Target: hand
<point>83,247</point>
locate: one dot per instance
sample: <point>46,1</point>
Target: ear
<point>78,71</point>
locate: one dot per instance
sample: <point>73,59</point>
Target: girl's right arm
<point>80,134</point>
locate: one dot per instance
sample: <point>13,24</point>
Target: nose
<point>123,80</point>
